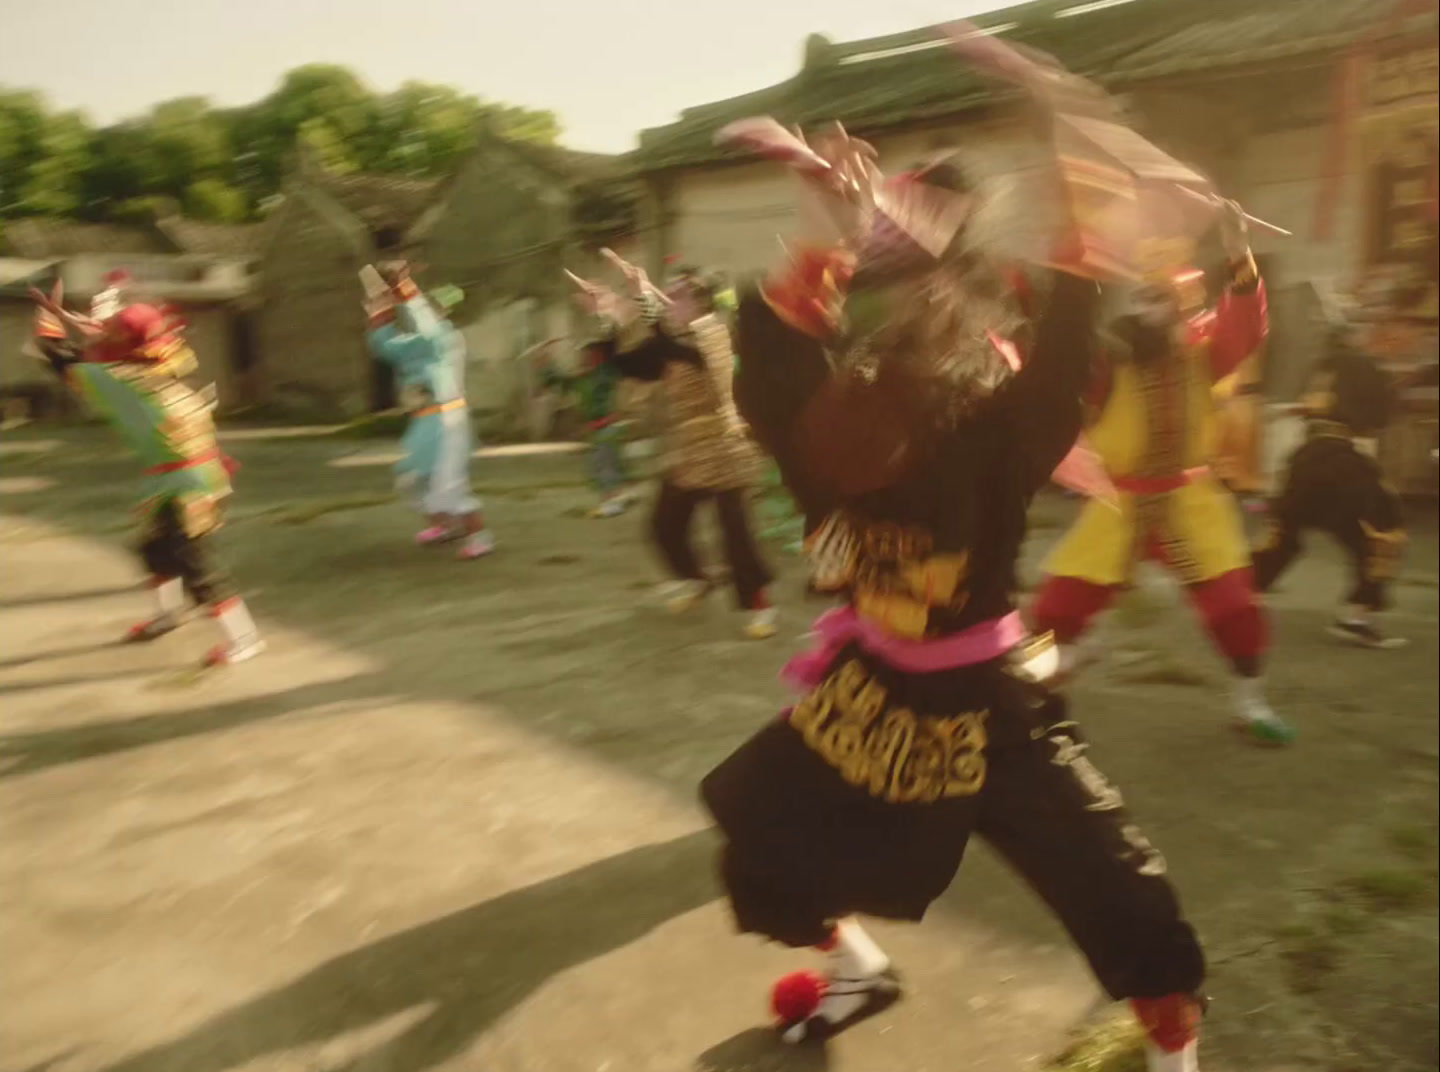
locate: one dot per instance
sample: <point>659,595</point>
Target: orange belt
<point>1160,485</point>
<point>439,407</point>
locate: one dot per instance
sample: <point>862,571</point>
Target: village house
<point>310,325</point>
<point>201,270</point>
<point>274,310</point>
<point>502,228</point>
<point>1319,117</point>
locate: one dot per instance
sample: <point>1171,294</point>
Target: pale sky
<point>607,69</point>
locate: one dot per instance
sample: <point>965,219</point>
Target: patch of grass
<point>1310,954</point>
<point>1344,920</point>
<point>271,415</point>
<point>373,426</point>
<point>302,513</point>
<point>1138,611</point>
<point>1162,668</point>
<point>1421,581</point>
<point>1414,842</point>
<point>1390,888</point>
<point>1114,1044</point>
<point>527,491</point>
<point>1310,965</point>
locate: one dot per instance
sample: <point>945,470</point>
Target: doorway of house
<point>244,361</point>
<point>383,393</point>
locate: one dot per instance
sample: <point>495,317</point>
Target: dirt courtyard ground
<point>449,820</point>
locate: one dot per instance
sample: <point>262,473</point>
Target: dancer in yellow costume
<point>1153,428</point>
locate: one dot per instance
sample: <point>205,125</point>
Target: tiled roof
<point>43,238</point>
<point>238,241</point>
<point>379,200</point>
<point>884,82</point>
<point>572,164</point>
<point>18,272</point>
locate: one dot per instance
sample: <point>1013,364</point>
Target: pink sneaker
<point>434,534</point>
<point>477,546</point>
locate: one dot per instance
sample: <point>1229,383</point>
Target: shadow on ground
<point>760,1050</point>
<point>464,969</point>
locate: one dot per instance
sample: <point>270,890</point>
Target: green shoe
<point>1272,732</point>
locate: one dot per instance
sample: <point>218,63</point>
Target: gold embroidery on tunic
<point>894,573</point>
<point>890,752</point>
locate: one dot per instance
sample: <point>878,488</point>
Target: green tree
<point>422,129</point>
<point>214,199</point>
<point>324,106</point>
<point>121,166</point>
<point>227,164</point>
<point>525,124</point>
<point>43,156</point>
<point>188,142</point>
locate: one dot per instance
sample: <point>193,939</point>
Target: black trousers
<point>169,552</point>
<point>1333,488</point>
<point>670,527</point>
<point>806,844</point>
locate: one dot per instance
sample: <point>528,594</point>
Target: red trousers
<point>1226,604</point>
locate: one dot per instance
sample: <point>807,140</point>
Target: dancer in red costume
<point>128,361</point>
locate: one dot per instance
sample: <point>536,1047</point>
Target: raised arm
<point>640,347</point>
<point>1043,403</point>
<point>1241,320</point>
<point>782,364</point>
<point>52,343</point>
<point>412,334</point>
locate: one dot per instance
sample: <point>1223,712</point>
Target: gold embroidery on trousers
<point>1150,862</point>
<point>1385,549</point>
<point>890,752</point>
<point>1071,753</point>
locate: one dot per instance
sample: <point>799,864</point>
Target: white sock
<point>1250,702</point>
<point>1067,657</point>
<point>169,596</point>
<point>852,970</point>
<point>1355,614</point>
<point>1184,1060</point>
<point>855,954</point>
<point>235,623</point>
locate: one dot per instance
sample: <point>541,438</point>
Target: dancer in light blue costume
<point>408,333</point>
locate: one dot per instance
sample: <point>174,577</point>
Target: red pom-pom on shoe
<point>1172,1022</point>
<point>796,996</point>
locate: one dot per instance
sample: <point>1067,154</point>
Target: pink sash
<point>836,628</point>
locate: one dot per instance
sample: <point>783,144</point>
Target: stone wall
<point>310,324</point>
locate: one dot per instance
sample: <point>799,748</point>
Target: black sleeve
<point>1042,405</point>
<point>1362,394</point>
<point>647,361</point>
<point>780,371</point>
<point>61,354</point>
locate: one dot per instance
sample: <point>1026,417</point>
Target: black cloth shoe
<point>1363,634</point>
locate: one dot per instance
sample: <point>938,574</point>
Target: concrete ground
<point>449,821</point>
